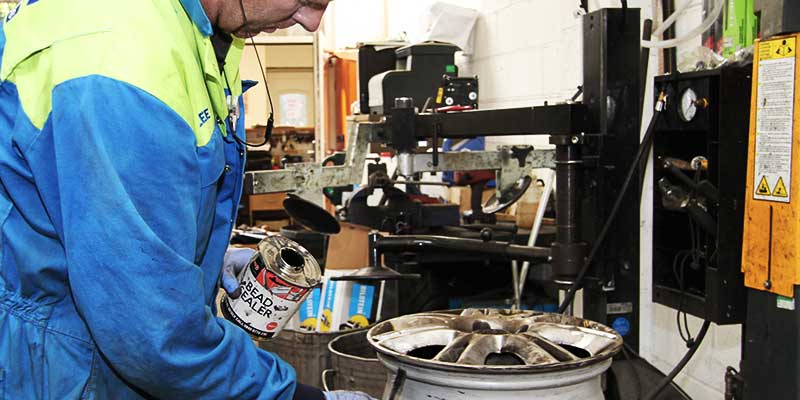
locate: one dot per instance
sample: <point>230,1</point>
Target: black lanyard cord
<point>271,118</point>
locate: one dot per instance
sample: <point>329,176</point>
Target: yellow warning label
<point>778,48</point>
<point>780,189</point>
<point>439,96</point>
<point>763,187</point>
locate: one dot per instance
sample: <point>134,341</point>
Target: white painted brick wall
<point>528,52</point>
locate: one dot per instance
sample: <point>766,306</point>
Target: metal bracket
<point>505,160</point>
<point>313,177</point>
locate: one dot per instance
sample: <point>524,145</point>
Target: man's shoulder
<point>87,34</point>
<point>144,44</point>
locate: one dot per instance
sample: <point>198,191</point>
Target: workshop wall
<point>528,52</point>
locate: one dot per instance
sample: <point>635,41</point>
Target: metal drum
<point>493,354</point>
<point>306,352</point>
<point>354,365</point>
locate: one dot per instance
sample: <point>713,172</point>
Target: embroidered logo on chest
<point>205,116</point>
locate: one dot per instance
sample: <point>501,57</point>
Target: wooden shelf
<point>256,134</point>
<point>264,202</point>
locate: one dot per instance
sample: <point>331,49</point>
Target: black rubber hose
<point>670,55</point>
<point>624,13</point>
<point>682,363</point>
<point>644,151</point>
<point>647,33</point>
<point>674,385</point>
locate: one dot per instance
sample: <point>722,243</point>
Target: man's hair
<point>316,4</point>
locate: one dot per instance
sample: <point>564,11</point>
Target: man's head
<point>263,15</point>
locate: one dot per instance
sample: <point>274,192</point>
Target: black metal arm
<point>559,119</point>
<point>379,245</point>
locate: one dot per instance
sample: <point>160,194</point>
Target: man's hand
<point>235,259</point>
<point>343,395</point>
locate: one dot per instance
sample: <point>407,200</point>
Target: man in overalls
<point>120,175</point>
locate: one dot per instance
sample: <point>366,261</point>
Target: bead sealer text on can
<point>274,283</point>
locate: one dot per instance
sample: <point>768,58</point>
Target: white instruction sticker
<point>775,120</point>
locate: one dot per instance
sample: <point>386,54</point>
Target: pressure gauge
<point>688,106</point>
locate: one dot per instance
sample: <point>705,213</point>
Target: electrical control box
<point>699,162</point>
<point>457,92</point>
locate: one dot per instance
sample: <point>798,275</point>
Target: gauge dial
<point>688,106</point>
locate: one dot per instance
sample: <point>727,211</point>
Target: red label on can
<point>281,288</point>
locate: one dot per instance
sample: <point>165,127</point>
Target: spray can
<point>274,283</point>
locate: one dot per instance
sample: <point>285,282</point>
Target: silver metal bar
<point>312,177</point>
<point>515,285</point>
<point>537,225</point>
<point>502,160</point>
